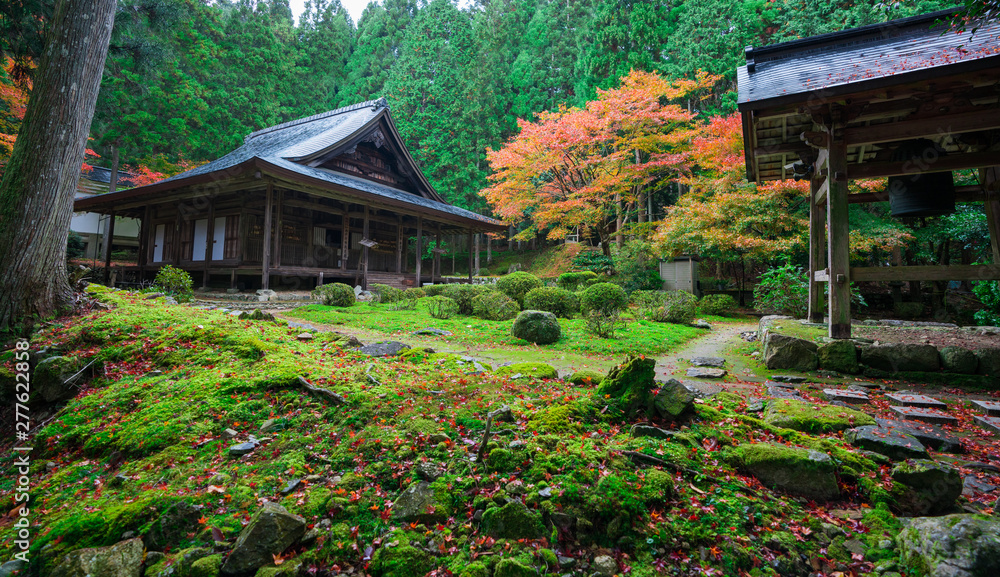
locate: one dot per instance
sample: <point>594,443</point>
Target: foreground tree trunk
<point>36,194</point>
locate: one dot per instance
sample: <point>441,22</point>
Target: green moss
<point>658,485</point>
<point>288,569</point>
<point>206,566</point>
<point>510,567</point>
<point>401,561</point>
<point>586,378</point>
<point>528,370</point>
<point>554,419</point>
<point>629,385</point>
<point>810,418</point>
<point>475,569</point>
<point>502,460</point>
<point>512,521</point>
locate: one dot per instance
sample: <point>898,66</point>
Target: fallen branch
<point>486,438</point>
<point>636,457</point>
<point>371,378</point>
<point>322,393</point>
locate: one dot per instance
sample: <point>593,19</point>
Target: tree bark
<point>39,183</point>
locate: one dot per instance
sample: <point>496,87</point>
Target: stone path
<point>704,353</point>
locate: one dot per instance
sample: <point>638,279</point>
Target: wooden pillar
<point>209,242</point>
<point>838,257</point>
<point>817,250</point>
<point>436,267</point>
<point>399,245</point>
<point>345,239</point>
<point>510,238</point>
<point>279,222</point>
<point>420,247</point>
<point>990,177</point>
<point>471,234</point>
<point>364,252</point>
<point>177,238</point>
<point>232,279</point>
<point>109,236</point>
<point>265,273</point>
<point>476,270</point>
<point>489,249</point>
<point>145,233</point>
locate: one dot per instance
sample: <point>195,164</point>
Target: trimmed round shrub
<point>586,377</point>
<point>678,307</point>
<point>557,301</point>
<point>336,294</point>
<point>441,307</point>
<point>495,306</point>
<point>174,282</point>
<point>537,327</point>
<point>386,294</point>
<point>604,297</point>
<point>572,281</point>
<point>721,305</point>
<point>434,290</point>
<point>414,293</point>
<point>517,284</point>
<point>528,370</point>
<point>463,295</point>
<point>647,298</point>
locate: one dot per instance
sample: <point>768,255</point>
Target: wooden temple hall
<point>331,197</point>
<point>908,100</point>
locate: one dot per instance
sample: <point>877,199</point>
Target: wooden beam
<point>942,164</point>
<point>477,254</point>
<point>817,248</point>
<point>820,188</point>
<point>926,273</point>
<point>933,127</point>
<point>822,275</point>
<point>970,193</point>
<point>265,273</point>
<point>838,257</point>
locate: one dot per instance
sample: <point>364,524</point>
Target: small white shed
<point>680,274</point>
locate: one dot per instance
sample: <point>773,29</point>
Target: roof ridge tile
<point>376,104</point>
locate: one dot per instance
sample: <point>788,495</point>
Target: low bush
<point>594,261</point>
<point>604,323</point>
<point>720,305</point>
<point>678,307</point>
<point>441,307</point>
<point>463,294</point>
<point>335,294</point>
<point>573,281</point>
<point>494,306</point>
<point>414,293</point>
<point>557,301</point>
<point>783,290</point>
<point>605,297</point>
<point>518,284</point>
<point>386,294</point>
<point>175,282</point>
<point>645,299</point>
<point>434,290</point>
<point>989,294</point>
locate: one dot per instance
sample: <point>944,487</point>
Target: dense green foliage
<point>717,304</point>
<point>495,306</point>
<point>677,307</point>
<point>175,282</point>
<point>989,294</point>
<point>604,296</point>
<point>572,281</point>
<point>335,295</point>
<point>441,307</point>
<point>783,290</point>
<point>557,301</point>
<point>517,285</point>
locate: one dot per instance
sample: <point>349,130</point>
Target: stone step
<point>989,423</point>
<point>717,362</point>
<point>991,408</point>
<point>925,415</point>
<point>847,396</point>
<point>909,400</point>
<point>706,373</point>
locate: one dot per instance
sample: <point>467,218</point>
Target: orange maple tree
<point>574,166</point>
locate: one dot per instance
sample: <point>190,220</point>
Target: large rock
<point>673,401</point>
<point>417,503</point>
<point>952,546</point>
<point>172,526</point>
<point>813,418</point>
<point>512,521</point>
<point>785,352</point>
<point>801,472</point>
<point>120,560</point>
<point>629,385</point>
<point>840,356</point>
<point>768,322</point>
<point>928,435</point>
<point>889,442</point>
<point>958,360</point>
<point>48,379</point>
<point>272,530</point>
<point>539,327</point>
<point>386,349</point>
<point>898,357</point>
<point>932,488</point>
<point>989,362</point>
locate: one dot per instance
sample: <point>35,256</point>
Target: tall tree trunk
<point>36,195</point>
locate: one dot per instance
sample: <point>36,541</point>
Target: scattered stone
<point>933,487</point>
<point>242,449</point>
<point>512,521</point>
<point>172,526</point>
<point>605,566</point>
<point>230,433</point>
<point>384,349</point>
<point>780,391</point>
<point>51,379</point>
<point>840,356</point>
<point>972,485</point>
<point>8,568</point>
<point>991,408</point>
<point>889,442</point>
<point>801,472</point>
<point>910,400</point>
<point>219,479</point>
<point>417,503</point>
<point>170,301</point>
<point>122,559</point>
<point>989,362</point>
<point>565,563</point>
<point>958,360</point>
<point>952,546</point>
<point>989,423</point>
<point>928,435</point>
<point>271,530</point>
<point>812,418</point>
<point>701,324</point>
<point>271,425</point>
<point>931,416</point>
<point>717,362</point>
<point>896,357</point>
<point>305,336</point>
<point>749,336</point>
<point>673,401</point>
<point>432,332</point>
<point>437,438</point>
<point>766,323</point>
<point>539,327</point>
<point>429,471</point>
<point>651,431</point>
<point>292,486</point>
<point>788,379</point>
<point>702,373</point>
<point>847,396</point>
<point>784,352</point>
<point>150,296</point>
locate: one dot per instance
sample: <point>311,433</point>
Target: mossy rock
<point>958,360</point>
<point>502,460</point>
<point>511,567</point>
<point>512,521</point>
<point>537,327</point>
<point>801,472</point>
<point>287,569</point>
<point>586,377</point>
<point>630,385</point>
<point>528,370</point>
<point>475,569</point>
<point>401,561</point>
<point>810,418</point>
<point>658,485</point>
<point>554,419</point>
<point>206,566</point>
<point>840,356</point>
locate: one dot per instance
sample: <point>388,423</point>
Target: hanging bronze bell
<point>922,193</point>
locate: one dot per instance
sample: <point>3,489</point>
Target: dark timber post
<point>109,236</point>
<point>839,229</point>
<point>145,230</point>
<point>990,177</point>
<point>364,252</point>
<point>471,234</point>
<point>436,270</point>
<point>476,271</point>
<point>345,239</point>
<point>420,247</point>
<point>399,245</point>
<point>817,249</point>
<point>265,274</point>
<point>209,241</point>
<point>279,223</point>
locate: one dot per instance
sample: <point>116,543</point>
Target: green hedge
<point>557,301</point>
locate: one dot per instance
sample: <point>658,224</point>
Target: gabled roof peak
<point>373,104</point>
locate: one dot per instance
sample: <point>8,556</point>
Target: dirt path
<point>717,343</point>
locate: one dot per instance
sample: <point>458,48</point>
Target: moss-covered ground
<point>148,432</point>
